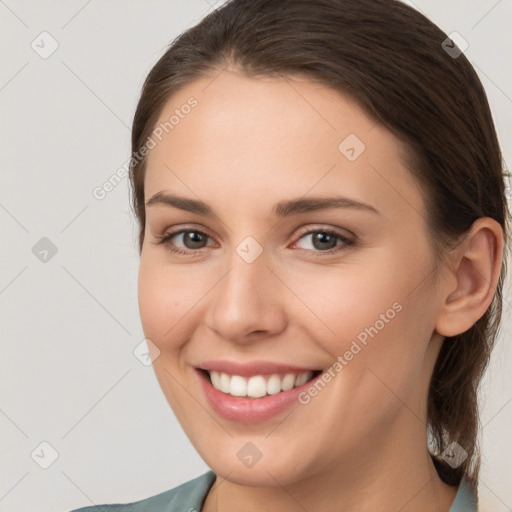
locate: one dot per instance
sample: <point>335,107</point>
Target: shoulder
<point>187,497</point>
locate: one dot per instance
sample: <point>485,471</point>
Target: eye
<point>192,239</point>
<point>324,241</point>
<point>320,242</point>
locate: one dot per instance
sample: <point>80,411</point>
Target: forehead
<point>264,139</point>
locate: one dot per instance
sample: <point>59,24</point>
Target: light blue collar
<point>465,500</point>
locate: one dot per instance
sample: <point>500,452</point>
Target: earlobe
<point>476,271</point>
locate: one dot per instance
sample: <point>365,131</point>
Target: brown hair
<point>390,58</point>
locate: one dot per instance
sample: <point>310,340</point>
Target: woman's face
<point>274,286</point>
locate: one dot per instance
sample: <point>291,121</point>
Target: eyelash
<point>165,240</point>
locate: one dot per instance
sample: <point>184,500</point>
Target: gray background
<point>70,324</point>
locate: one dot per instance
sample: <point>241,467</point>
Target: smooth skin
<point>360,444</point>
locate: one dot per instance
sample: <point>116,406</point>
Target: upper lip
<point>249,369</point>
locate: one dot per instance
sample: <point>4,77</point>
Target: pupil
<point>320,238</point>
<point>194,238</point>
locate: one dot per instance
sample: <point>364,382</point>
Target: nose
<point>248,302</point>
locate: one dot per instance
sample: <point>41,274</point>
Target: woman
<point>320,195</point>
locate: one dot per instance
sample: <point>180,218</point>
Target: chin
<point>268,471</point>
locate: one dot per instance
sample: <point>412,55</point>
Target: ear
<point>474,276</point>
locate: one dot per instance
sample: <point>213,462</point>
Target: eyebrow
<point>281,209</point>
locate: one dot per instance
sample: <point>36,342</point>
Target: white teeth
<point>215,376</point>
<point>301,379</point>
<point>238,386</point>
<point>273,384</point>
<point>258,385</point>
<point>288,382</point>
<point>224,383</point>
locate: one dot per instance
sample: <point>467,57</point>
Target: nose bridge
<point>245,300</point>
<point>245,279</point>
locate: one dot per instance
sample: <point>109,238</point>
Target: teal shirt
<point>190,497</point>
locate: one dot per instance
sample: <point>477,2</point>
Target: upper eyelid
<point>300,231</point>
<point>337,231</point>
<point>167,235</point>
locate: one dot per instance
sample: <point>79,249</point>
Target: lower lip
<point>250,410</point>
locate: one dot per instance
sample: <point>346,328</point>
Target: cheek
<point>344,299</point>
<point>166,296</point>
<point>377,314</point>
<point>166,299</point>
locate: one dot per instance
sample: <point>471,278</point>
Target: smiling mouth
<point>258,386</point>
